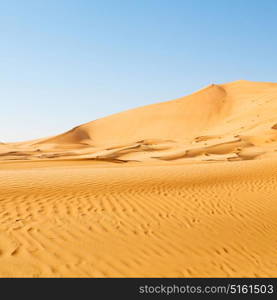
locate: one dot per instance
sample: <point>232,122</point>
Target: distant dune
<point>184,188</point>
<point>234,121</point>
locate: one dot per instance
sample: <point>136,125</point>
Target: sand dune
<point>210,118</point>
<point>183,188</point>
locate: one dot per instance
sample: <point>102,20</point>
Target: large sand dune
<point>181,188</point>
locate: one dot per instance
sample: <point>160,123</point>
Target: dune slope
<point>234,121</point>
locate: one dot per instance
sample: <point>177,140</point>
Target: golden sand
<point>185,188</point>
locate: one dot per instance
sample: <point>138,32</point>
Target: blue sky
<point>64,63</point>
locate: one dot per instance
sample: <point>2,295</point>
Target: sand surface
<point>184,188</point>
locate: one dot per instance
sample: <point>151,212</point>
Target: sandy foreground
<point>184,188</point>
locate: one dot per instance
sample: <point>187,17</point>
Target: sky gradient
<point>64,63</point>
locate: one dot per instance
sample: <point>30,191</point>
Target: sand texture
<point>184,188</point>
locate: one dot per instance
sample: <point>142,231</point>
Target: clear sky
<point>65,62</point>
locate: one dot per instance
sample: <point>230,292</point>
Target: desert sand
<point>184,188</point>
